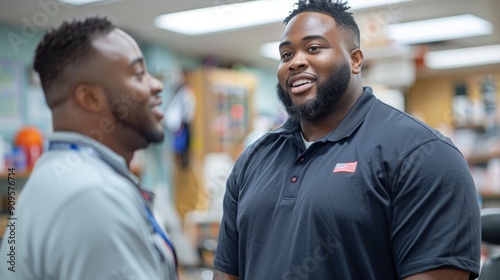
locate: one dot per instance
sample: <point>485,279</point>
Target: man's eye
<point>313,48</point>
<point>285,55</point>
<point>140,74</point>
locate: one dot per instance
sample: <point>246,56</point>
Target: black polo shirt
<point>383,196</point>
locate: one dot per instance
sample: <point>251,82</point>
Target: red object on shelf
<point>30,139</point>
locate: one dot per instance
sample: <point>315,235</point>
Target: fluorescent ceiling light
<point>241,15</point>
<point>270,50</point>
<point>225,17</point>
<point>365,4</point>
<point>463,57</point>
<point>84,2</point>
<point>439,29</point>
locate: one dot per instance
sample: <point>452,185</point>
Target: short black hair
<point>337,9</point>
<point>66,45</point>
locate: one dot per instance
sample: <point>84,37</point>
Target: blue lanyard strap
<point>74,147</point>
<point>160,231</point>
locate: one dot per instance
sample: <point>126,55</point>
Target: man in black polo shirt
<point>348,187</point>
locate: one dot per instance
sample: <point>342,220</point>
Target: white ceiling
<point>242,46</point>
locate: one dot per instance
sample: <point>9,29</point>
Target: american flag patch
<point>345,167</point>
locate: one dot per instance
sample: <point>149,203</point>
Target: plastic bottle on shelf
<point>30,139</point>
<point>19,159</point>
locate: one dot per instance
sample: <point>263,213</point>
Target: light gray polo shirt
<point>83,217</point>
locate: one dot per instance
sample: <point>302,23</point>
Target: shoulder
<point>70,192</point>
<point>68,171</point>
<point>399,129</point>
<point>266,144</point>
<point>102,222</point>
<point>400,142</point>
<point>106,209</point>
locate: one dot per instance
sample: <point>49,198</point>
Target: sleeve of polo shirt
<point>436,215</point>
<point>100,240</point>
<point>226,256</point>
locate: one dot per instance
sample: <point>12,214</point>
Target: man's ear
<point>356,61</point>
<point>90,98</point>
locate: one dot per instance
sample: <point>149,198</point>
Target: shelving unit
<point>484,175</point>
<point>432,99</point>
<point>224,117</point>
<point>486,172</point>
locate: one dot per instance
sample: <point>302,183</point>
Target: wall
<point>18,48</point>
<point>266,100</point>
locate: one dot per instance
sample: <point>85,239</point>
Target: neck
<point>319,128</point>
<point>111,140</point>
<point>115,143</point>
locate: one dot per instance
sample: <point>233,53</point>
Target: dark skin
<point>313,54</point>
<point>109,97</point>
<point>311,47</point>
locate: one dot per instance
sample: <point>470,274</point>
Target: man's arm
<point>438,274</point>
<point>436,220</point>
<point>219,275</point>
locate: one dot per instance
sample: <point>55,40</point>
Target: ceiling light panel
<point>240,15</point>
<point>84,2</point>
<point>270,50</point>
<point>466,57</point>
<point>439,29</point>
<point>221,18</point>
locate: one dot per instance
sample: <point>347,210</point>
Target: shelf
<point>483,158</point>
<point>17,175</point>
<point>490,196</point>
<point>475,127</point>
<point>3,224</point>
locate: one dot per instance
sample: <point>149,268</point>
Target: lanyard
<point>158,230</point>
<point>75,147</point>
<point>84,149</point>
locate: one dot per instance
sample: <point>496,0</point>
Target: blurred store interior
<point>438,60</point>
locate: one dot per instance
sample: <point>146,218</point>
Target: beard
<point>153,135</point>
<point>328,94</point>
<point>135,120</point>
<point>149,131</point>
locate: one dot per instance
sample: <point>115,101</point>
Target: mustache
<point>327,95</point>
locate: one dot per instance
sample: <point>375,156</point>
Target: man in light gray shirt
<point>82,213</point>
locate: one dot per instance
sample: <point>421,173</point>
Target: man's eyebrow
<point>284,43</point>
<point>306,38</point>
<point>313,37</point>
<point>137,60</point>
